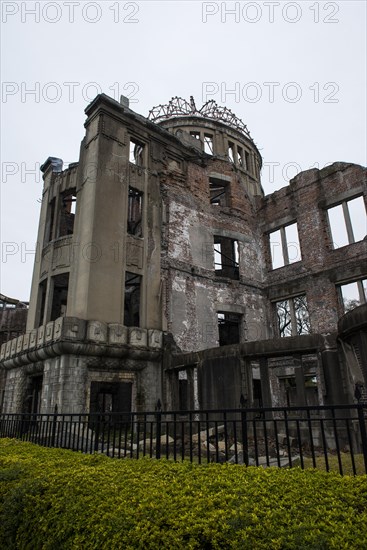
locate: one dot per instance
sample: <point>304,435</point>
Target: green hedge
<point>57,499</point>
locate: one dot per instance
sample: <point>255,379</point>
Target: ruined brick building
<point>165,273</point>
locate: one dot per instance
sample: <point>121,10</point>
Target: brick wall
<point>306,200</point>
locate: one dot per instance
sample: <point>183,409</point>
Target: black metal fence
<point>326,437</point>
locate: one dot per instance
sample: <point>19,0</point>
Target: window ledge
<point>347,245</point>
<point>299,262</point>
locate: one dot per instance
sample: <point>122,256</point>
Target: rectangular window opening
<point>337,226</point>
<point>239,156</point>
<point>302,315</point>
<point>288,391</point>
<point>136,152</point>
<point>219,192</point>
<point>229,328</point>
<point>208,144</point>
<point>353,294</point>
<point>183,393</point>
<point>247,161</point>
<point>226,257</point>
<point>42,301</point>
<point>231,155</point>
<point>59,296</point>
<point>293,316</point>
<point>284,318</point>
<point>275,242</point>
<point>195,135</point>
<point>347,222</point>
<point>284,244</point>
<point>134,212</point>
<point>256,385</point>
<point>67,214</point>
<point>32,402</point>
<point>132,300</point>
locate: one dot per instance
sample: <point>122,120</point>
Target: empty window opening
<point>136,152</point>
<point>311,387</point>
<point>231,151</point>
<point>219,192</point>
<point>134,212</point>
<point>256,386</point>
<point>239,156</point>
<point>42,301</point>
<point>288,391</point>
<point>247,161</point>
<point>67,214</point>
<point>347,222</point>
<point>353,294</point>
<point>229,328</point>
<point>226,257</point>
<point>32,401</point>
<point>284,246</point>
<point>208,144</point>
<point>59,296</point>
<point>72,200</point>
<point>195,135</point>
<point>183,394</point>
<point>293,316</point>
<point>132,300</point>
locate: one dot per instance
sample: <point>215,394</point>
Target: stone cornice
<point>70,335</point>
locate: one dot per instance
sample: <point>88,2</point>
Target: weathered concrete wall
<point>71,353</point>
<point>220,383</point>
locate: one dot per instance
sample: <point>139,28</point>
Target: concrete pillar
<point>265,382</point>
<point>335,389</point>
<point>300,380</point>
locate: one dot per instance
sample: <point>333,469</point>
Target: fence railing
<point>327,436</point>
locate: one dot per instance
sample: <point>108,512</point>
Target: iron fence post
<point>362,427</point>
<point>158,419</point>
<point>54,422</point>
<point>96,435</point>
<point>244,430</point>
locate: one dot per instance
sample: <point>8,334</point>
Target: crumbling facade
<point>166,273</point>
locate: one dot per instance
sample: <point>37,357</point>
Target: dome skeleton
<point>178,107</point>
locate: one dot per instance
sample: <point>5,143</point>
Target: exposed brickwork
<point>306,200</point>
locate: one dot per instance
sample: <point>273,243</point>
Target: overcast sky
<point>294,72</point>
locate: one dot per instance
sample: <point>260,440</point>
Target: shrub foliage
<point>58,499</point>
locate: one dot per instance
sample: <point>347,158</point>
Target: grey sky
<point>295,72</point>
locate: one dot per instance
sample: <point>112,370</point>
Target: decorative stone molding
<point>138,337</point>
<point>117,334</point>
<point>68,335</point>
<point>97,332</point>
<point>155,338</point>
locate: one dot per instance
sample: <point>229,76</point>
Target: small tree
<point>350,304</point>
